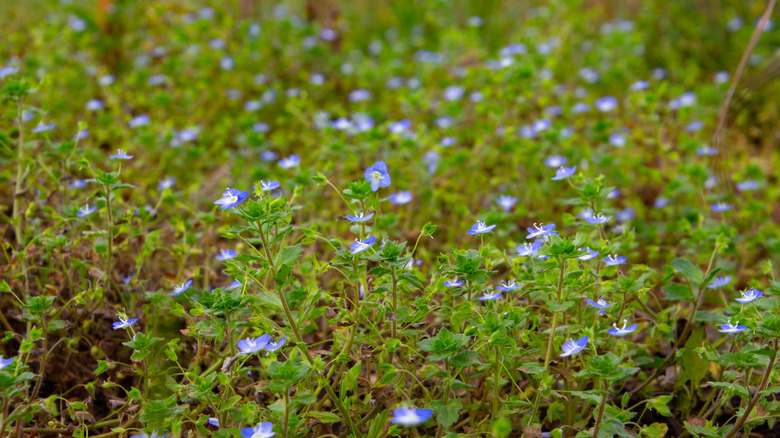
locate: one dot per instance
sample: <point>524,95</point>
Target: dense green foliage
<point>394,164</point>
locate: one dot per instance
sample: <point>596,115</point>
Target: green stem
<point>601,411</point>
<point>548,353</point>
<point>757,395</point>
<point>496,383</point>
<point>110,226</point>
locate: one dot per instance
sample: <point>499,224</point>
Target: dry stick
<point>757,395</point>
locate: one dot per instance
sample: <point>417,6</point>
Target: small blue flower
<point>540,230</point>
<point>260,127</point>
<point>750,295</point>
<point>528,249</point>
<point>290,162</point>
<point>361,245</point>
<point>81,135</point>
<point>731,328</point>
<point>275,345</point>
<point>167,183</point>
<point>601,304</point>
<point>661,202</point>
<point>43,128</point>
<point>270,185</point>
<point>453,283</point>
<point>95,105</point>
<point>400,198</point>
<point>411,416</point>
<point>598,219</point>
<point>213,421</point>
<point>86,210</point>
<point>7,71</point>
<point>235,284</point>
<point>138,121</point>
<point>719,281</point>
<point>746,186</point>
<point>706,151</point>
<point>342,124</point>
<point>5,362</point>
<point>225,254</point>
<point>555,161</point>
<point>580,107</point>
<point>250,345</point>
<point>124,322</point>
<point>506,202</point>
<point>230,198</point>
<point>479,228</point>
<point>447,142</point>
<point>573,347</point>
<point>77,184</point>
<point>262,430</point>
<point>509,286</point>
<point>622,331</point>
<point>721,207</point>
<point>606,104</point>
<point>377,175</point>
<point>592,253</point>
<point>563,173</point>
<point>154,434</point>
<point>490,296</point>
<point>359,217</point>
<point>625,215</point>
<point>640,85</point>
<point>181,288</point>
<point>120,155</point>
<point>617,140</point>
<point>399,127</point>
<point>359,95</point>
<point>611,260</point>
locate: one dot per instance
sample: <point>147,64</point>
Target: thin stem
<point>757,395</point>
<point>601,411</point>
<point>495,383</point>
<point>110,226</point>
<point>554,326</point>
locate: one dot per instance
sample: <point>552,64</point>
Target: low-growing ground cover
<point>389,219</point>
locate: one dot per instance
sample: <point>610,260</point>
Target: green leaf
<point>465,359</point>
<point>289,255</point>
<point>102,367</point>
<point>325,417</point>
<point>677,291</point>
<point>689,270</point>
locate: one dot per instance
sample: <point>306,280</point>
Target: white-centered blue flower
<point>453,283</point>
<point>154,434</point>
<point>124,322</point>
<point>579,108</point>
<point>540,230</point>
<point>359,217</point>
<point>479,228</point>
<point>721,207</point>
<point>226,254</point>
<point>746,186</point>
<point>601,304</point>
<point>213,421</point>
<point>86,210</point>
<point>749,295</point>
<point>719,281</point>
<point>77,184</point>
<point>230,198</point>
<point>181,288</point>
<point>706,151</point>
<point>290,162</point>
<point>591,254</point>
<point>43,127</point>
<point>167,183</point>
<point>506,202</point>
<point>120,155</point>
<point>253,345</point>
<point>262,430</point>
<point>732,328</point>
<point>612,260</point>
<point>598,219</point>
<point>235,284</point>
<point>490,296</point>
<point>640,85</point>
<point>617,140</point>
<point>5,362</point>
<point>377,175</point>
<point>411,416</point>
<point>359,95</point>
<point>564,172</point>
<point>509,286</point>
<point>399,127</point>
<point>8,70</point>
<point>528,249</point>
<point>361,245</point>
<point>270,185</point>
<point>555,161</point>
<point>94,105</point>
<point>400,198</point>
<point>275,345</point>
<point>622,331</point>
<point>341,124</point>
<point>606,104</point>
<point>138,121</point>
<point>573,347</point>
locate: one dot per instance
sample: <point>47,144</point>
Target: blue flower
<point>260,127</point>
<point>7,71</point>
<point>611,260</point>
<point>719,281</point>
<point>154,434</point>
<point>479,228</point>
<point>598,219</point>
<point>509,286</point>
<point>750,295</point>
<point>573,347</point>
<point>399,127</point>
<point>506,202</point>
<point>94,105</point>
<point>622,331</point>
<point>746,186</point>
<point>167,183</point>
<point>706,151</point>
<point>124,322</point>
<point>555,161</point>
<point>77,184</point>
<point>590,255</point>
<point>606,104</point>
<point>601,304</point>
<point>361,245</point>
<point>138,121</point>
<point>721,207</point>
<point>290,162</point>
<point>43,128</point>
<point>120,155</point>
<point>447,142</point>
<point>230,198</point>
<point>540,230</point>
<point>270,185</point>
<point>86,210</point>
<point>213,421</point>
<point>235,284</point>
<point>377,175</point>
<point>181,288</point>
<point>411,416</point>
<point>400,198</point>
<point>661,202</point>
<point>81,135</point>
<point>731,328</point>
<point>342,124</point>
<point>225,254</point>
<point>453,283</point>
<point>617,140</point>
<point>262,430</point>
<point>250,346</point>
<point>5,362</point>
<point>563,173</point>
<point>359,95</point>
<point>625,215</point>
<point>640,85</point>
<point>528,249</point>
<point>275,345</point>
<point>490,296</point>
<point>580,107</point>
<point>359,217</point>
